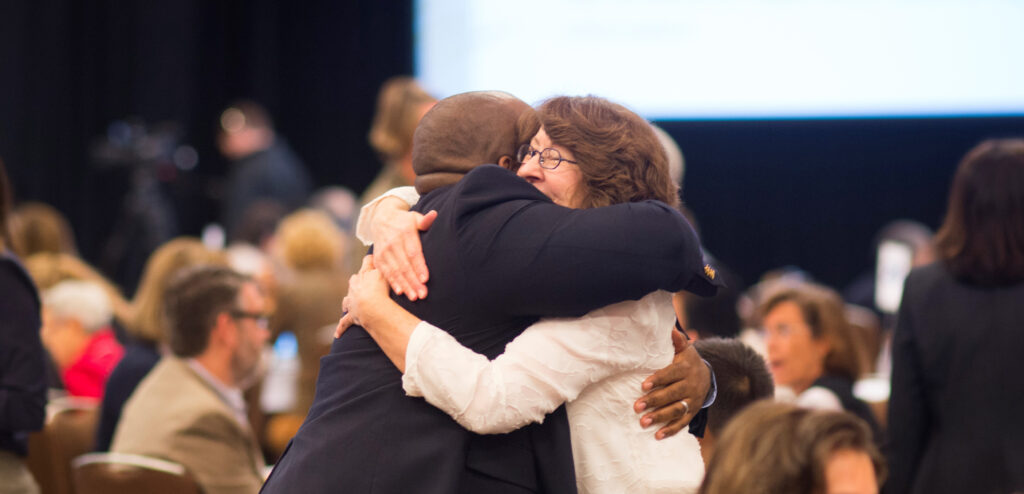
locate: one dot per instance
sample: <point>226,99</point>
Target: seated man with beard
<point>189,409</point>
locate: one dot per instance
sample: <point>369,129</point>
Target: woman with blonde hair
<point>812,348</point>
<point>777,448</point>
<point>145,327</point>
<point>400,105</point>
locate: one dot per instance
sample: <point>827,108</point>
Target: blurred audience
<point>310,247</point>
<point>401,104</point>
<point>37,227</point>
<point>48,269</point>
<point>78,335</point>
<point>742,378</point>
<point>812,349</point>
<point>145,327</point>
<point>190,409</point>
<point>955,416</point>
<point>22,360</point>
<point>263,166</point>
<point>707,317</point>
<point>776,448</point>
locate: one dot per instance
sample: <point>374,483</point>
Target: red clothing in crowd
<point>87,375</point>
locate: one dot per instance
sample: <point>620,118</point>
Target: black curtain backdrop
<point>808,193</point>
<point>69,68</point>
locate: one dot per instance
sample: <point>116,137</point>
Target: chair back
<point>70,431</point>
<point>120,473</point>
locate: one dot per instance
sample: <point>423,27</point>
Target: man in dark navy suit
<point>501,256</point>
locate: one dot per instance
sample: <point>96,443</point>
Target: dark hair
<point>619,155</point>
<point>780,448</point>
<point>825,314</point>
<point>5,208</point>
<point>981,240</point>
<point>742,378</point>
<point>195,297</point>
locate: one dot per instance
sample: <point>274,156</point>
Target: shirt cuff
<point>421,335</point>
<point>407,194</point>
<point>712,392</point>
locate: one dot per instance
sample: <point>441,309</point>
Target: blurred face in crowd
<point>251,323</point>
<point>795,357</point>
<point>849,471</point>
<point>560,184</point>
<point>64,338</point>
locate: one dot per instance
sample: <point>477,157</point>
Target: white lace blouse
<point>595,363</point>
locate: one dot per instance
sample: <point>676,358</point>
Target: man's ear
<point>508,163</point>
<point>224,330</point>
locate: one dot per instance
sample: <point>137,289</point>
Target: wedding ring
<point>686,406</point>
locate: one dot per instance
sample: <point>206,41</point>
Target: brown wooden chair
<point>70,431</point>
<point>119,473</point>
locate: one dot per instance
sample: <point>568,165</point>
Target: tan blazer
<point>177,416</point>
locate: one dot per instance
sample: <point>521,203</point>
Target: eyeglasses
<point>550,158</point>
<point>262,320</point>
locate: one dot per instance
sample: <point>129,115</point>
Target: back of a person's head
<point>47,269</point>
<point>37,227</point>
<point>258,222</point>
<point>617,151</point>
<point>676,164</point>
<point>464,131</point>
<point>742,378</point>
<point>147,320</point>
<point>777,448</point>
<point>400,104</point>
<point>83,301</point>
<point>195,297</point>
<point>824,313</point>
<point>981,240</point>
<point>308,240</point>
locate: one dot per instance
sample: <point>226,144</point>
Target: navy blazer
<point>501,255</point>
<point>956,415</point>
<point>22,357</point>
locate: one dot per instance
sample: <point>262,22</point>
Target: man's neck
<point>218,368</point>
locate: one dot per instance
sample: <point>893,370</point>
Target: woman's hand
<point>367,291</point>
<point>369,305</point>
<point>396,244</point>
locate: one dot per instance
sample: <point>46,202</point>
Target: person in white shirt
<point>595,363</point>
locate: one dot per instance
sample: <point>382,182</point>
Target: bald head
<point>464,131</point>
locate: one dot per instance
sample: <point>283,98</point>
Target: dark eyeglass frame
<point>263,320</point>
<point>526,152</point>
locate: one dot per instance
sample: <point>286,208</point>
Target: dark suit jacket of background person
<point>956,416</point>
<point>139,358</point>
<point>501,254</point>
<point>275,173</point>
<point>22,358</point>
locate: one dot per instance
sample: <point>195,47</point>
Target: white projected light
<point>734,58</point>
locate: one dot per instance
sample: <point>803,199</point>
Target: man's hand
<point>686,380</point>
<point>396,247</point>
